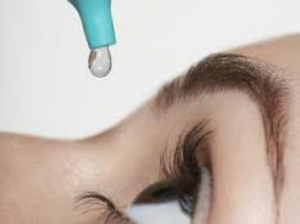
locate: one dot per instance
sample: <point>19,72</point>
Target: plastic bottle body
<point>97,21</point>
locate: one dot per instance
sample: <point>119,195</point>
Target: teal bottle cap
<point>97,21</point>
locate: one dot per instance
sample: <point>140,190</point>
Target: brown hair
<point>217,73</point>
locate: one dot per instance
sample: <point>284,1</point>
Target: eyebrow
<point>218,73</point>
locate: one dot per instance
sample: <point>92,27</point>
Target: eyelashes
<point>107,209</point>
<point>181,172</point>
<point>183,168</point>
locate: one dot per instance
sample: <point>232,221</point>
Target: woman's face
<point>251,180</point>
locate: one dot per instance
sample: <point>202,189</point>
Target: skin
<point>39,178</point>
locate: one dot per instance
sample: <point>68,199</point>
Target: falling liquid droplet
<point>100,62</point>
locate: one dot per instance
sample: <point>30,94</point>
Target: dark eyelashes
<point>183,168</point>
<point>181,171</point>
<point>107,209</point>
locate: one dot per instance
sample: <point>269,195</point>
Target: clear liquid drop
<point>100,62</point>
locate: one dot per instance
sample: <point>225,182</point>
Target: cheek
<point>38,188</point>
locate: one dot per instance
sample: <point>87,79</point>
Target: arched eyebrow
<point>217,73</point>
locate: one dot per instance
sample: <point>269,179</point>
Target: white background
<point>46,88</point>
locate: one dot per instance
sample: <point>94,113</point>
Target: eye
<point>164,192</point>
<point>160,192</point>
